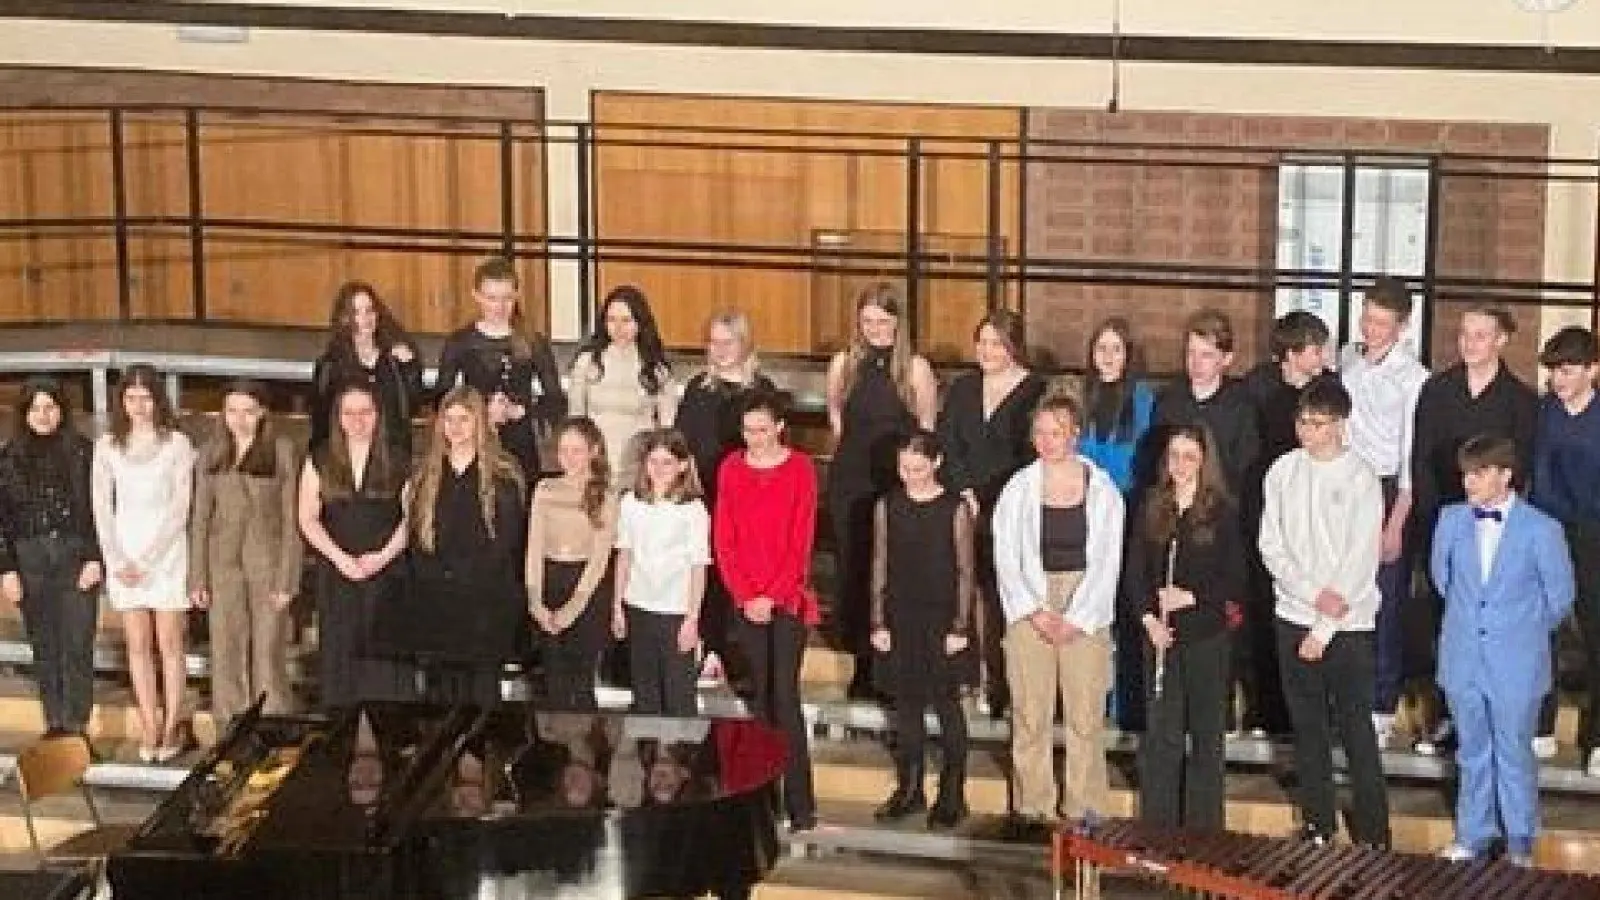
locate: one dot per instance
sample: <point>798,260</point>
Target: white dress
<point>141,514</point>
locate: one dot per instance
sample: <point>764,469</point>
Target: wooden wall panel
<point>56,166</point>
<point>851,189</point>
<point>303,170</point>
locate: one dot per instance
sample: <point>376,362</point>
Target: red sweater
<point>762,529</point>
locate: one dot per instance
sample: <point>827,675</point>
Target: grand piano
<point>407,802</point>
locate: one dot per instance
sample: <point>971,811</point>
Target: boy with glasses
<point>1320,524</point>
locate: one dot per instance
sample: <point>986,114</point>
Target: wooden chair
<point>52,766</point>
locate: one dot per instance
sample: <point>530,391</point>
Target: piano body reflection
<point>403,802</point>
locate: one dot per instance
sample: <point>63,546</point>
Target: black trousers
<point>1178,788</point>
<point>571,658</point>
<point>1337,686</point>
<point>912,699</point>
<point>1584,542</point>
<point>774,653</point>
<point>851,517</point>
<point>60,621</point>
<point>663,678</point>
<point>1255,658</point>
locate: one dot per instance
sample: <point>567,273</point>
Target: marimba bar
<point>1249,867</point>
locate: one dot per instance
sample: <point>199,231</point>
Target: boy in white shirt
<point>1320,528</point>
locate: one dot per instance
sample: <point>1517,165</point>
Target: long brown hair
<point>385,475</point>
<point>495,466</point>
<point>342,321</point>
<point>1109,406</point>
<point>886,297</point>
<point>597,487</point>
<point>164,419</point>
<point>221,453</point>
<point>671,440</point>
<point>1210,496</point>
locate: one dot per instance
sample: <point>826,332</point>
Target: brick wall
<point>1082,206</point>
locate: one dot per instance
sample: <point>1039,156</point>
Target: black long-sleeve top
<point>1229,414</point>
<point>491,365</point>
<point>398,384</point>
<point>1210,563</point>
<point>44,491</point>
<point>982,454</point>
<point>708,417</point>
<point>1447,416</point>
<point>466,599</point>
<point>1277,404</point>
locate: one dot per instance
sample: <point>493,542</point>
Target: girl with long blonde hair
<point>878,390</point>
<point>459,616</point>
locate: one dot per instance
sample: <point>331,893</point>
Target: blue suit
<point>1494,661</point>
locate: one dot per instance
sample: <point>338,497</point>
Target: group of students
<point>1254,532</point>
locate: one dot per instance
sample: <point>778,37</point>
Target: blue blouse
<point>1117,456</point>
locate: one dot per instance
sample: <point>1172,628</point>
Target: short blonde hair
<point>737,322</point>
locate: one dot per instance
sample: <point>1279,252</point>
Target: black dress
<point>708,417</point>
<point>492,365</point>
<point>922,590</point>
<point>398,385</point>
<point>460,615</point>
<point>361,522</point>
<point>863,469</point>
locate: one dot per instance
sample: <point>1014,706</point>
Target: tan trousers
<point>249,648</point>
<point>1081,672</point>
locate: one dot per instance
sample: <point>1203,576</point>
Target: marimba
<point>1249,867</point>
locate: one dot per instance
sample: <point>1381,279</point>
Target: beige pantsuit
<point>245,546</point>
<point>1080,671</point>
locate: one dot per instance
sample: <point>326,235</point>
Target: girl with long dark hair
<point>245,551</point>
<point>143,476</point>
<point>621,378</point>
<point>764,528</point>
<point>366,343</point>
<point>351,513</point>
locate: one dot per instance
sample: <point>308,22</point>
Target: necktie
<point>1481,513</point>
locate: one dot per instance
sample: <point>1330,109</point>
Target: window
<point>1390,223</point>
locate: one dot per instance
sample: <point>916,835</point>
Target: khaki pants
<point>249,647</point>
<point>1081,672</point>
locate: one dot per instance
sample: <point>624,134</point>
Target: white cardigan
<point>1019,567</point>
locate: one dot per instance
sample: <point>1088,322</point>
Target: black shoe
<point>1028,830</point>
<point>947,813</point>
<point>802,824</point>
<point>901,804</point>
<point>1313,835</point>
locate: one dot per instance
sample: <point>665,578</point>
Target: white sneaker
<point>1545,747</point>
<point>1457,853</point>
<point>1383,728</point>
<point>1592,768</point>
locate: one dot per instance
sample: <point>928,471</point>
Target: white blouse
<point>665,541</point>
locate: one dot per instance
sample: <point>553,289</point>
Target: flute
<point>1161,652</point>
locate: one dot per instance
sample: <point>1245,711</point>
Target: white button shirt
<point>1489,534</point>
<point>1383,397</point>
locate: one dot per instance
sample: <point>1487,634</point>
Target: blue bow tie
<point>1481,513</point>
